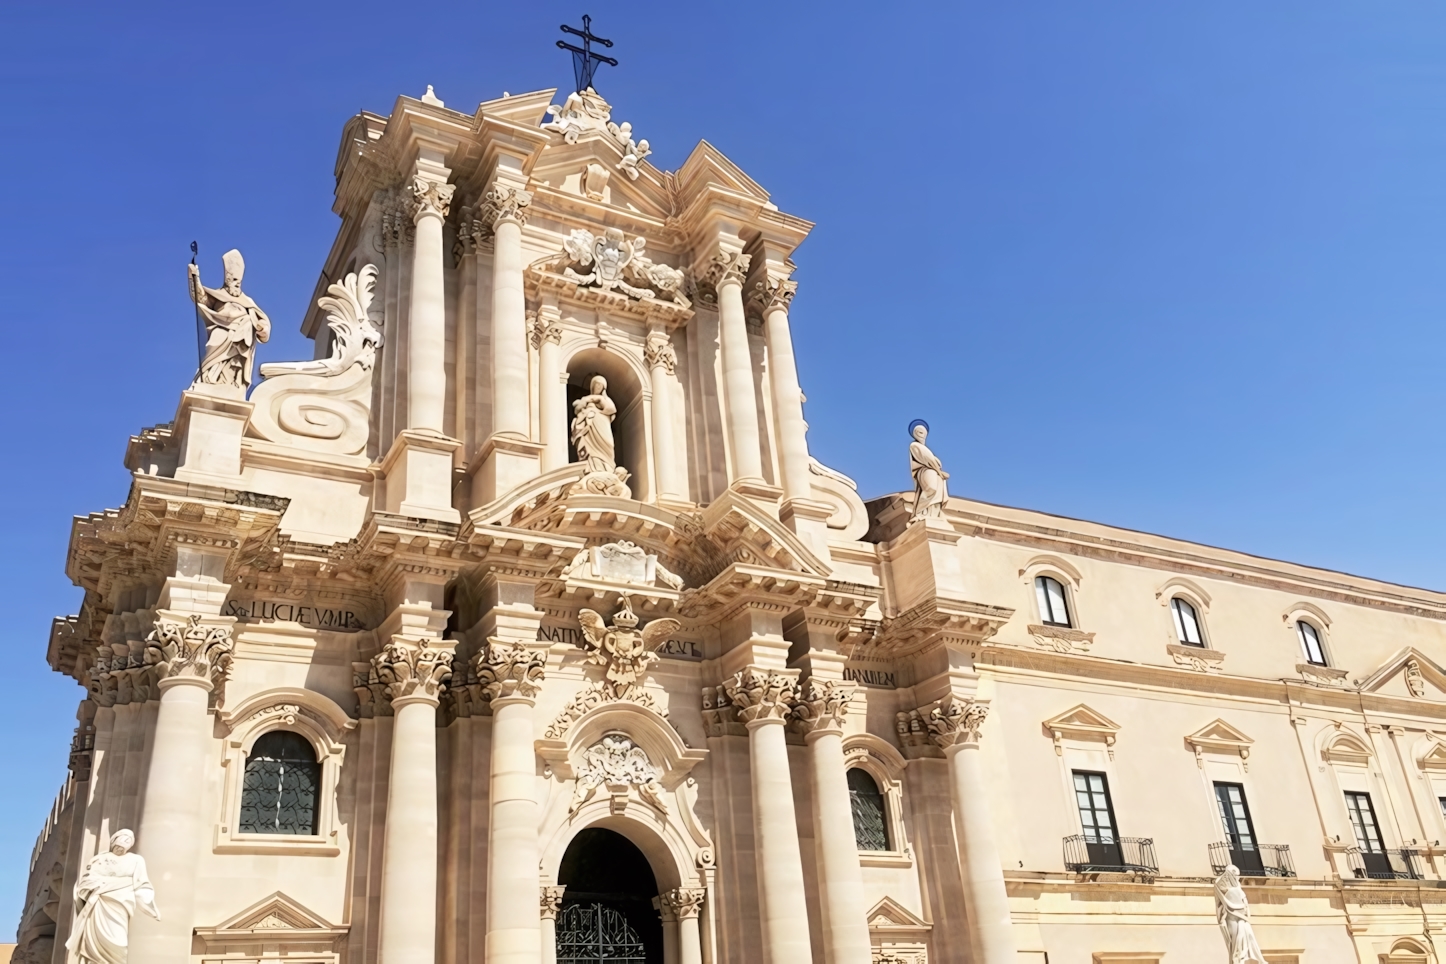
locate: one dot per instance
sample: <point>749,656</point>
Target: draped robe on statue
<point>107,895</point>
<point>592,429</point>
<point>234,326</point>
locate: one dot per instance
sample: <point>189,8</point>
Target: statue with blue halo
<point>930,490</point>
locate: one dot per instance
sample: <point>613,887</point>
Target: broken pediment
<point>1409,674</point>
<point>277,923</point>
<point>1219,737</point>
<point>1082,723</point>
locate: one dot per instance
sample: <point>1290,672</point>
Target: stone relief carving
<point>955,722</point>
<point>549,901</point>
<point>504,203</point>
<point>1197,658</point>
<point>658,351</point>
<point>1415,682</point>
<point>633,151</point>
<point>684,902</point>
<point>610,262</point>
<point>324,405</point>
<point>625,653</point>
<point>234,324</point>
<point>621,562</point>
<point>1060,639</point>
<point>823,704</point>
<point>190,648</point>
<point>758,694</point>
<point>582,111</point>
<point>1232,912</point>
<point>410,668</point>
<point>431,198</point>
<point>111,887</point>
<point>621,765</point>
<point>509,670</point>
<point>930,489</point>
<point>594,181</point>
<point>725,267</point>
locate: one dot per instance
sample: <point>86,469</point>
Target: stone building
<point>519,625</point>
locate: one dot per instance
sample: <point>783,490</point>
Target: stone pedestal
<point>503,464</point>
<point>210,423</point>
<point>418,476</point>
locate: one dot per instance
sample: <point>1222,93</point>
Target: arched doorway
<point>607,910</point>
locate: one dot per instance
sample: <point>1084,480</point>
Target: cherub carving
<point>633,151</point>
<point>622,649</point>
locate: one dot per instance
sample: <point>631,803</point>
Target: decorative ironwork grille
<point>278,791</point>
<point>870,831</point>
<point>594,933</point>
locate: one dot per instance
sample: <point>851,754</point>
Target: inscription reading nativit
<point>673,648</point>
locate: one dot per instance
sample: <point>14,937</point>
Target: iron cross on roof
<point>584,61</point>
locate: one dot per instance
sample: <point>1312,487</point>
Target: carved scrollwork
<point>770,294</point>
<point>726,268</point>
<point>621,765</point>
<point>411,669</point>
<point>684,902</point>
<point>823,704</point>
<point>955,722</point>
<point>625,653</point>
<point>658,353</point>
<point>505,203</point>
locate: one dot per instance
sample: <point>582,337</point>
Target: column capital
<point>762,695</point>
<point>509,670</point>
<point>505,202</point>
<point>658,352</point>
<point>543,326</point>
<point>822,706</point>
<point>550,901</point>
<point>190,648</point>
<point>955,722</point>
<point>683,902</point>
<point>725,268</point>
<point>773,294</point>
<point>430,198</point>
<point>411,671</point>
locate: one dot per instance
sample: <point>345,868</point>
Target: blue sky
<point>1171,267</point>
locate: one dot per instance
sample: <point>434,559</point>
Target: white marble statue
<point>233,326</point>
<point>930,490</point>
<point>107,894</point>
<point>592,428</point>
<point>633,151</point>
<point>583,111</point>
<point>1232,911</point>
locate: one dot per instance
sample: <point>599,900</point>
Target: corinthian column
<point>511,676</point>
<point>954,725</point>
<point>774,298</point>
<point>190,654</point>
<point>662,362</point>
<point>684,903</point>
<point>840,879</point>
<point>510,411</point>
<point>552,397</point>
<point>427,341</point>
<point>549,901</point>
<point>415,676</point>
<point>764,700</point>
<point>725,274</point>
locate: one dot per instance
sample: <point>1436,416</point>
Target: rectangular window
<point>1053,609</point>
<point>1363,822</point>
<point>1097,818</point>
<point>1442,801</point>
<point>1239,831</point>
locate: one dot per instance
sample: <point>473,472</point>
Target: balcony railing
<point>1122,855</point>
<point>1385,864</point>
<point>1260,860</point>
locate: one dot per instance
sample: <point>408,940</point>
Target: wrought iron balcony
<point>1120,855</point>
<point>1385,864</point>
<point>1259,860</point>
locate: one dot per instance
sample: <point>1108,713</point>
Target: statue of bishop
<point>233,326</point>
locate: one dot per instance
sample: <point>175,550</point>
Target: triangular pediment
<point>1435,757</point>
<point>1409,674</point>
<point>526,110</point>
<point>1219,734</point>
<point>741,531</point>
<point>889,914</point>
<point>277,912</point>
<point>709,167</point>
<point>563,166</point>
<point>1082,720</point>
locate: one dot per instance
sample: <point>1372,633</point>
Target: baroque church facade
<point>518,626</point>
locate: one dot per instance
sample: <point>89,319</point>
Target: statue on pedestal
<point>1232,911</point>
<point>110,888</point>
<point>233,326</point>
<point>592,436</point>
<point>930,491</point>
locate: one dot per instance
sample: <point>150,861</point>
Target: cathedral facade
<point>519,626</point>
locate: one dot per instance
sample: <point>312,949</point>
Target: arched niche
<point>630,428</point>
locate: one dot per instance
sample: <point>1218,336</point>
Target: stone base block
<point>503,464</point>
<point>210,428</point>
<point>809,520</point>
<point>417,476</point>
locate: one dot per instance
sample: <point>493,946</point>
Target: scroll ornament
<point>620,764</point>
<point>189,649</point>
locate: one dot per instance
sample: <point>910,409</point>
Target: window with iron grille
<point>279,788</point>
<point>1187,623</point>
<point>1053,608</point>
<point>871,830</point>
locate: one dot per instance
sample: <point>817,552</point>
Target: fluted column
<point>427,338</point>
<point>764,700</point>
<point>511,675</point>
<point>552,400</point>
<point>726,274</point>
<point>774,297</point>
<point>190,653</point>
<point>662,363</point>
<point>415,675</point>
<point>510,411</point>
<point>684,903</point>
<point>549,903</point>
<point>954,725</point>
<point>840,879</point>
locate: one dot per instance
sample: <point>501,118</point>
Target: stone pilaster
<point>427,337</point>
<point>552,396</point>
<point>549,900</point>
<point>685,904</point>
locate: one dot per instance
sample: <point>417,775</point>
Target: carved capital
<point>658,352</point>
<point>430,198</point>
<point>550,901</point>
<point>726,268</point>
<point>191,648</point>
<point>761,694</point>
<point>683,902</point>
<point>409,668</point>
<point>544,329</point>
<point>769,295</point>
<point>504,203</point>
<point>823,704</point>
<point>956,723</point>
<point>508,670</point>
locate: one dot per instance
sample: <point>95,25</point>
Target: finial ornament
<point>111,887</point>
<point>930,489</point>
<point>584,60</point>
<point>234,324</point>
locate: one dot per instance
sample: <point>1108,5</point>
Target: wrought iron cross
<point>584,61</point>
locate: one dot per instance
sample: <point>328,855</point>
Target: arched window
<point>1187,623</point>
<point>1053,610</point>
<point>278,793</point>
<point>870,828</point>
<point>1310,643</point>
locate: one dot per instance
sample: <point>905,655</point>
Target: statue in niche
<point>233,326</point>
<point>930,490</point>
<point>592,427</point>
<point>110,888</point>
<point>1232,911</point>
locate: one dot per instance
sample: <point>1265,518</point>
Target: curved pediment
<point>646,728</point>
